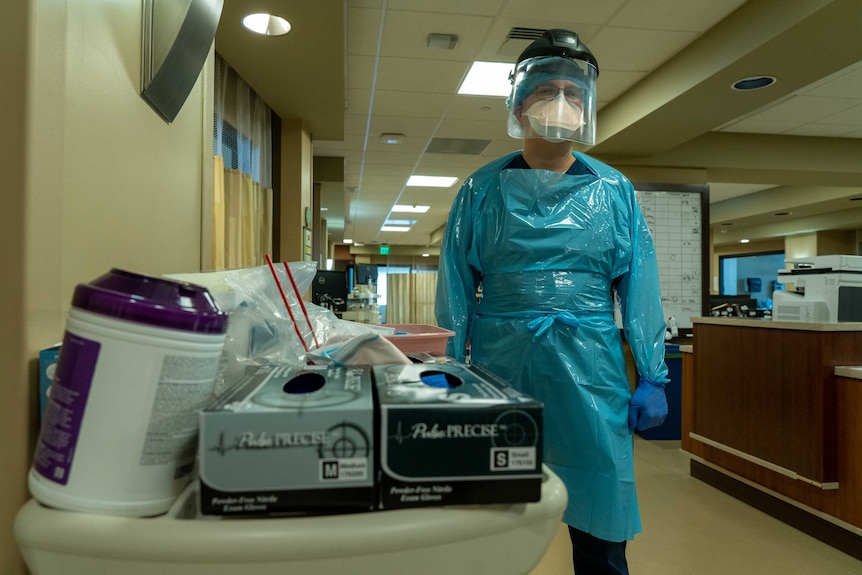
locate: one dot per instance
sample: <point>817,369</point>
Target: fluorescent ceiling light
<point>487,79</point>
<point>347,241</point>
<point>400,222</point>
<point>266,24</point>
<point>410,209</point>
<point>395,229</point>
<point>432,181</point>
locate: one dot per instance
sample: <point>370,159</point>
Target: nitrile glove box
<point>289,440</point>
<point>453,434</point>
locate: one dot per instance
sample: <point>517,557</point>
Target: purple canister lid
<point>151,300</point>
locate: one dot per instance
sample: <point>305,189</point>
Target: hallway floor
<point>691,528</point>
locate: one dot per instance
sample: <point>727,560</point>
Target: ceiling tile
<point>587,11</point>
<point>804,109</point>
<point>406,35</point>
<point>477,7</point>
<point>363,30</point>
<point>360,72</point>
<point>410,104</point>
<point>844,84</point>
<point>410,127</point>
<point>477,107</point>
<point>427,76</point>
<point>481,129</point>
<point>851,117</point>
<point>820,129</point>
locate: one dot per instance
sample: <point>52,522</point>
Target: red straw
<point>286,303</point>
<point>301,303</point>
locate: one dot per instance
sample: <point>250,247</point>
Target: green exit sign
<point>384,250</point>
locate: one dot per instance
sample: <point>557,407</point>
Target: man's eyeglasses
<point>549,92</point>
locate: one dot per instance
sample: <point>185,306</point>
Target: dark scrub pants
<point>594,556</point>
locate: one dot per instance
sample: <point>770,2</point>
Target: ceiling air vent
<point>516,40</point>
<point>524,34</point>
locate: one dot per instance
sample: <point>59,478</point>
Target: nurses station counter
<point>772,414</point>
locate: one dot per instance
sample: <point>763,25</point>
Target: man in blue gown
<point>539,246</point>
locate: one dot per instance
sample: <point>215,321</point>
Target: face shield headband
<point>553,98</point>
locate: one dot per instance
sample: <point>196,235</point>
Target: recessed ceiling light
<point>410,209</point>
<point>347,241</point>
<point>395,229</point>
<point>266,24</point>
<point>487,79</point>
<point>432,181</point>
<point>754,83</point>
<point>391,138</point>
<point>743,241</point>
<point>400,223</point>
<point>426,255</point>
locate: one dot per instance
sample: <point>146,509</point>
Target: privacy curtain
<point>242,178</point>
<point>410,298</point>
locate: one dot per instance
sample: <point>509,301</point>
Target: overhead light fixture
<point>487,79</point>
<point>410,209</point>
<point>426,255</point>
<point>347,241</point>
<point>754,83</point>
<point>432,181</point>
<point>391,138</point>
<point>395,229</point>
<point>400,223</point>
<point>442,41</point>
<point>266,24</point>
<point>743,241</point>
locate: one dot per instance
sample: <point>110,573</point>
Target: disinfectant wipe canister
<point>138,361</point>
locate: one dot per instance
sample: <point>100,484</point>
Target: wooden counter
<point>775,405</point>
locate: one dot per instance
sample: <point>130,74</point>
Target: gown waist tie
<point>544,322</point>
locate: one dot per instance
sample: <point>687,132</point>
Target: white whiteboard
<point>676,222</point>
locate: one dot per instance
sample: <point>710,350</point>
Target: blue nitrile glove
<point>648,406</point>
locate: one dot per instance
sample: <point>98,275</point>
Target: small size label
<point>344,469</point>
<point>513,458</point>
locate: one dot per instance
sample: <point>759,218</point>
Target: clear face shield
<point>553,98</point>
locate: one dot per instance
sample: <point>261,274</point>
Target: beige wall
<point>93,179</point>
<point>296,185</point>
<point>14,397</point>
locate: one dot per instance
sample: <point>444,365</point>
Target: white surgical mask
<point>555,120</point>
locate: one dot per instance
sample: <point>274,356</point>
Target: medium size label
<point>513,458</point>
<point>64,412</point>
<point>344,469</point>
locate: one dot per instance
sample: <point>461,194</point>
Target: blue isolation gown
<point>549,251</point>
